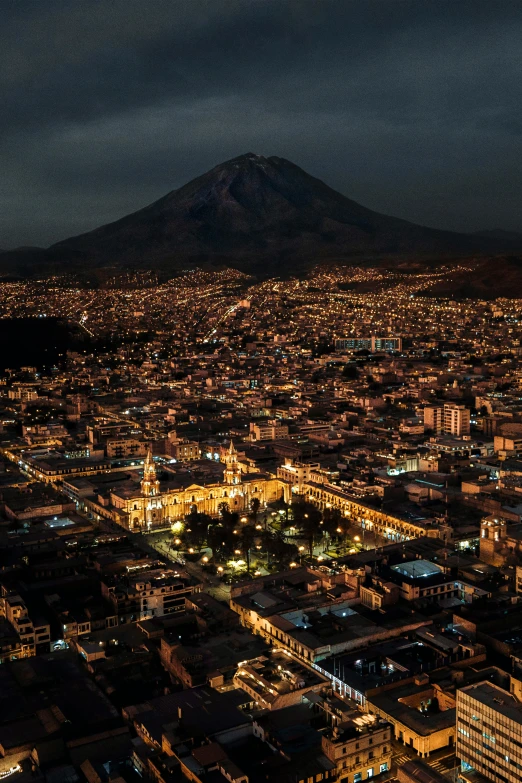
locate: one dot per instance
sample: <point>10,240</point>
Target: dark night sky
<point>411,107</point>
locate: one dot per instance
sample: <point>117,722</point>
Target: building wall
<point>389,526</point>
<point>489,741</point>
<point>125,447</point>
<point>422,744</point>
<point>456,420</point>
<point>160,510</point>
<point>356,756</point>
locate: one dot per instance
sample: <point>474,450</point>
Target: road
<point>211,584</point>
<point>441,761</point>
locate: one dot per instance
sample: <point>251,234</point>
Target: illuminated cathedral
<point>149,506</point>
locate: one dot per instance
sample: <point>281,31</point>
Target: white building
<point>456,420</point>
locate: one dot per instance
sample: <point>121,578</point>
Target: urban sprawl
<point>262,531</point>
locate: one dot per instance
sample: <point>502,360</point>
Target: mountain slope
<point>258,214</point>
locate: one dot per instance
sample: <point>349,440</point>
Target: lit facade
<point>360,748</point>
<point>150,507</point>
<point>456,420</point>
<point>489,733</point>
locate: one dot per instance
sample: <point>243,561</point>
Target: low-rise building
<point>151,593</point>
<point>31,635</point>
<point>277,680</point>
<point>422,713</point>
<point>360,746</point>
<point>316,627</point>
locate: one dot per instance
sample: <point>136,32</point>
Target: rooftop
<point>417,569</point>
<point>495,698</point>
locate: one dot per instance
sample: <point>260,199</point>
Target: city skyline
<point>260,410</point>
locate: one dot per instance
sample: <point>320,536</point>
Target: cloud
<point>411,107</point>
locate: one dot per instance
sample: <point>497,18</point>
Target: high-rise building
<point>354,344</point>
<point>373,344</point>
<point>456,419</point>
<point>433,418</point>
<point>451,419</point>
<point>489,733</point>
<point>386,344</point>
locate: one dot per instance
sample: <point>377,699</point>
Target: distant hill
<point>499,233</point>
<point>261,215</point>
<point>490,278</point>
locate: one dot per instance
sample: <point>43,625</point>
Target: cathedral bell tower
<point>150,485</point>
<point>232,473</point>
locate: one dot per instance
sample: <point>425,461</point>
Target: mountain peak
<point>245,161</point>
<point>248,156</point>
<point>256,213</point>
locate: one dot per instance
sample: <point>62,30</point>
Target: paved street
<point>440,761</point>
<point>212,584</point>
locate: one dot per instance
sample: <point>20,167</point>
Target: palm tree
<point>282,505</point>
<point>255,504</point>
<point>223,508</point>
<point>333,523</point>
<point>276,546</point>
<point>248,536</point>
<point>308,519</point>
<point>221,540</point>
<point>196,528</point>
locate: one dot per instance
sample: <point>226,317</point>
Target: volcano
<point>258,214</point>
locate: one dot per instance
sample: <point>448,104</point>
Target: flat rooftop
<point>417,569</point>
<point>277,674</point>
<point>495,698</point>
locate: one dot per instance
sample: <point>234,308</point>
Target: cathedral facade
<point>149,507</point>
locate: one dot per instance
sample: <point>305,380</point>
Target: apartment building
<point>22,637</point>
<point>489,733</point>
<point>269,430</point>
<point>373,344</point>
<point>433,419</point>
<point>125,448</point>
<point>153,593</point>
<point>448,418</point>
<point>360,746</point>
<point>456,420</point>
